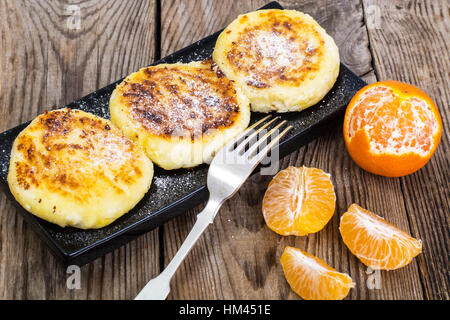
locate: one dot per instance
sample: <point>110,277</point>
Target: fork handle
<point>159,287</point>
<point>204,219</point>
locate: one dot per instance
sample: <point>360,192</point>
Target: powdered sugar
<point>181,101</point>
<point>276,55</point>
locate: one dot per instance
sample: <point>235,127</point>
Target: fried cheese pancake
<point>181,114</point>
<point>73,168</point>
<point>282,59</point>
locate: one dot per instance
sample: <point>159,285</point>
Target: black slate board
<point>172,192</point>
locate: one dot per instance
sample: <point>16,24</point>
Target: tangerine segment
<point>392,128</point>
<point>299,201</point>
<point>311,278</point>
<point>376,242</point>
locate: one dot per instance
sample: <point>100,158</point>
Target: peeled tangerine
<point>311,278</point>
<point>376,242</point>
<point>391,128</point>
<point>299,201</point>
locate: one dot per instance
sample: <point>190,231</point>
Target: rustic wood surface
<point>46,62</point>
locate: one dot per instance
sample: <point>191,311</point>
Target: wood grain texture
<point>411,43</point>
<point>238,257</point>
<point>47,62</point>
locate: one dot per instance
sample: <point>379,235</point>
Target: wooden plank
<point>410,42</point>
<point>48,60</point>
<point>238,257</point>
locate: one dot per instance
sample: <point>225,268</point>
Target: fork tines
<point>257,140</point>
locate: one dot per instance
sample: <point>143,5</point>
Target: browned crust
<point>162,99</point>
<point>50,161</point>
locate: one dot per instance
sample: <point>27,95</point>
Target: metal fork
<point>229,169</point>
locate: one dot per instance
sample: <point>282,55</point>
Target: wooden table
<point>49,57</point>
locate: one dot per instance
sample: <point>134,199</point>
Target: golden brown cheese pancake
<point>75,169</point>
<point>282,59</point>
<point>181,114</point>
